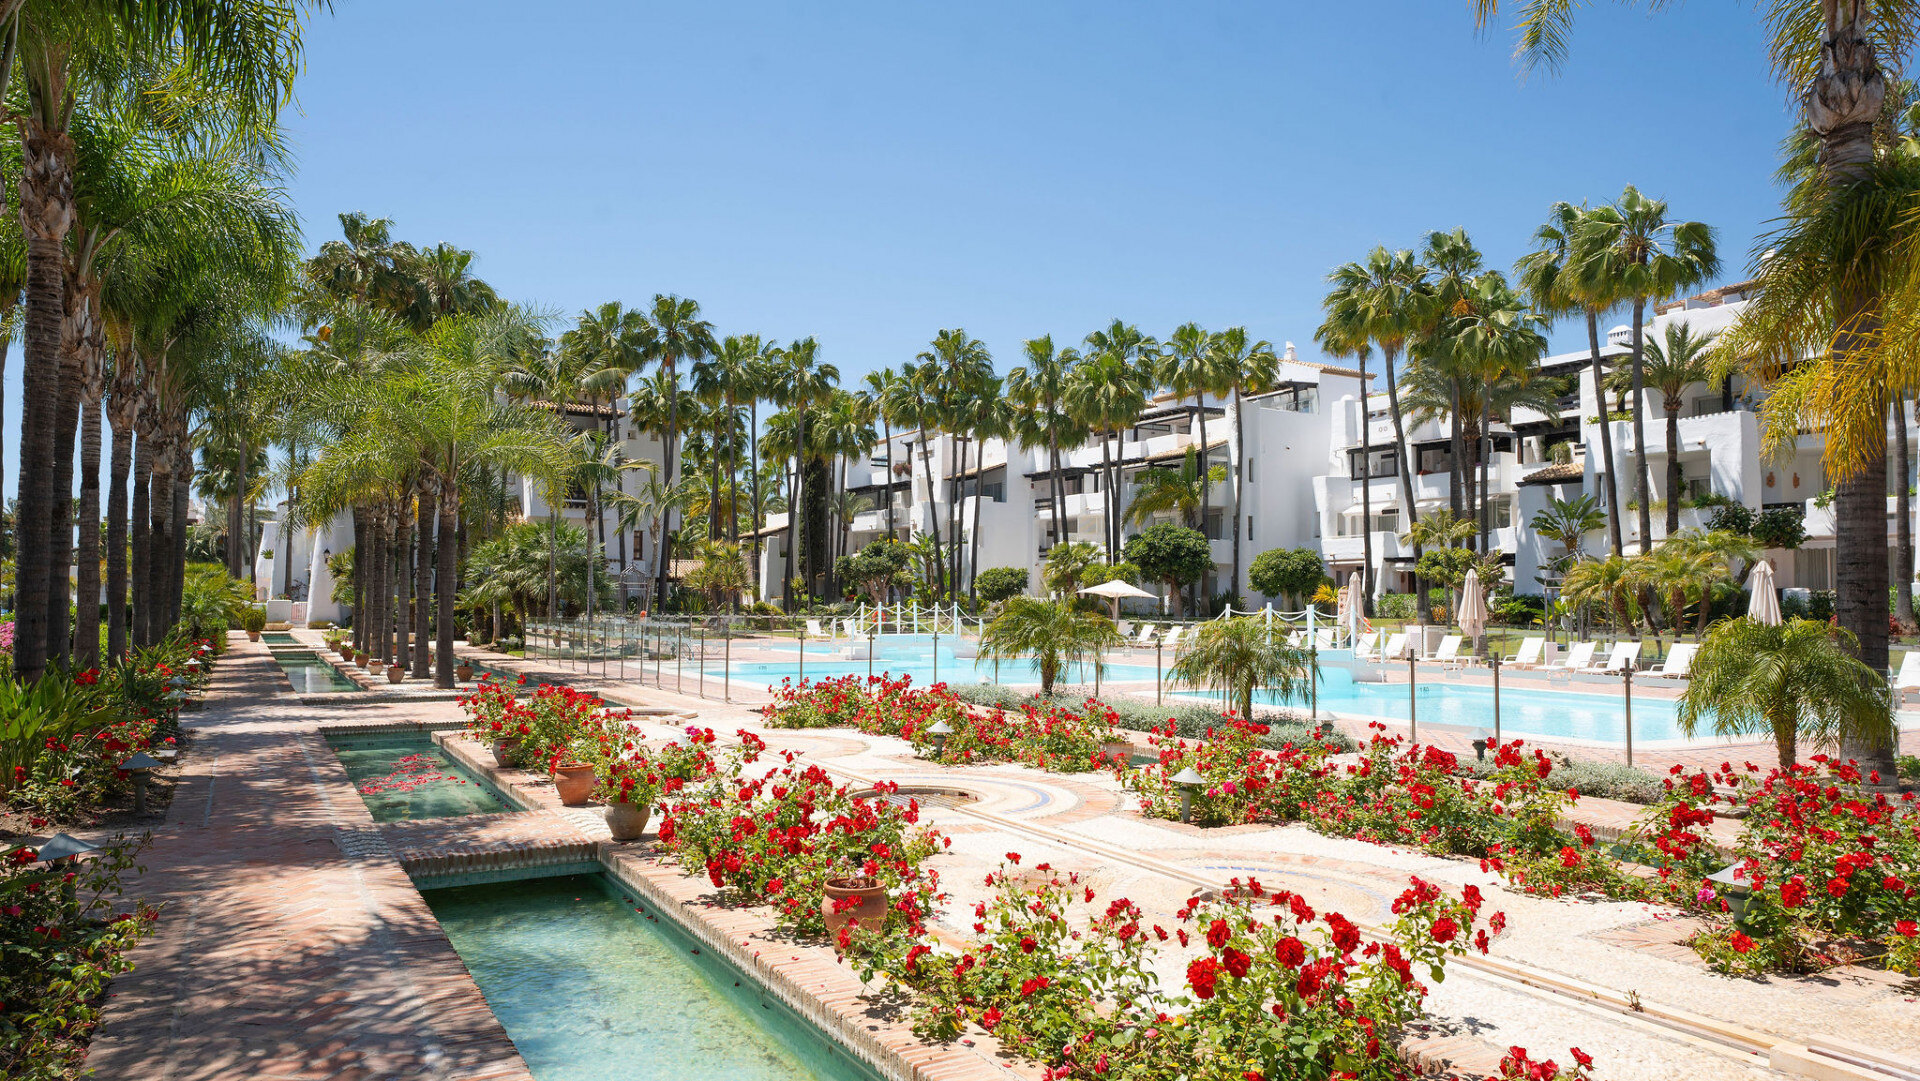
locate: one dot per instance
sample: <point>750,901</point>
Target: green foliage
<point>878,567</point>
<point>1397,605</point>
<point>1732,518</point>
<point>1190,720</point>
<point>1796,681</point>
<point>1172,554</point>
<point>253,619</point>
<point>1291,573</point>
<point>1780,527</point>
<point>211,603</point>
<point>1052,633</point>
<point>1067,562</point>
<point>996,584</point>
<point>1241,655</point>
<point>514,566</point>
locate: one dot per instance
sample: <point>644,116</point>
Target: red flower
<point>991,1018</point>
<point>1793,892</point>
<point>1202,974</point>
<point>1444,929</point>
<point>1238,964</point>
<point>1345,935</point>
<point>1585,1060</point>
<point>1038,983</point>
<point>1289,952</point>
<point>1740,942</point>
<point>1907,928</point>
<point>1218,933</point>
<point>1837,887</point>
<point>1312,978</point>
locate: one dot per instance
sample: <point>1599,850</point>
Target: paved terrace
<point>281,955</point>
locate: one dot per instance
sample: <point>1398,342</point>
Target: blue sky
<point>871,173</point>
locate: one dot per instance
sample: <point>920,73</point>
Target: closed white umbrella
<point>1113,591</point>
<point>1356,602</point>
<point>1764,606</point>
<point>1473,606</point>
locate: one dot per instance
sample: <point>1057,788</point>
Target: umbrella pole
<point>1496,698</point>
<point>1627,673</point>
<point>1413,701</point>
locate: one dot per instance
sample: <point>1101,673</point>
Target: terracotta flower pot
<point>395,673</point>
<point>627,821</point>
<point>845,902</point>
<point>360,659</point>
<point>1116,748</point>
<point>463,671</point>
<point>253,636</point>
<point>377,666</point>
<point>503,750</point>
<point>574,783</point>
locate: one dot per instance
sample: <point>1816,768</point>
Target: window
<point>1384,463</point>
<point>1500,512</point>
<point>1249,527</point>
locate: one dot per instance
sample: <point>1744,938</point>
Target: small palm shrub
<point>1239,656</point>
<point>1052,633</point>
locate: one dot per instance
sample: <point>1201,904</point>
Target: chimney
<point>1291,353</point>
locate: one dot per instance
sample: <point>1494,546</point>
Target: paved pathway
<point>279,956</point>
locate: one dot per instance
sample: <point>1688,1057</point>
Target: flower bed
<point>65,938</point>
<point>1830,872</point>
<point>1047,736</point>
<point>778,837</point>
<point>1273,989</point>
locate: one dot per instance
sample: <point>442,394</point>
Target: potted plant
<point>855,895</point>
<point>463,671</point>
<point>253,621</point>
<point>396,673</point>
<point>573,768</point>
<point>360,659</point>
<point>377,665</point>
<point>628,787</point>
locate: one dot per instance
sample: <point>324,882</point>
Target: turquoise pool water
<point>913,655</point>
<point>279,638</point>
<point>1583,714</point>
<point>312,675</point>
<point>403,777</point>
<point>591,990</point>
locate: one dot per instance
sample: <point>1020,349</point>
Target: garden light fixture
<point>1480,741</point>
<point>1189,782</point>
<point>64,846</point>
<point>1729,885</point>
<point>940,730</point>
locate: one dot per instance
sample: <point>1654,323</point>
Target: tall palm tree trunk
<point>1611,490</point>
<point>140,574</point>
<point>66,428</point>
<point>553,565</point>
<point>753,479</point>
<point>422,577</point>
<point>1366,497</point>
<point>1675,479</point>
<point>1841,108</point>
<point>6,343</point>
<point>86,616</point>
<point>361,616</point>
<point>933,504</point>
<point>373,570</point>
<point>122,457</point>
<point>1239,451</point>
<point>443,623</point>
<point>159,543</point>
<point>403,582</point>
<point>1483,453</point>
<point>46,213</point>
<point>177,530</point>
<point>1056,488</point>
<point>1457,450</point>
<point>1903,513</point>
<point>1113,509</point>
<point>667,454</point>
<point>1642,476</point>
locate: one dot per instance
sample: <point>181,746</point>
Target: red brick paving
<point>277,956</point>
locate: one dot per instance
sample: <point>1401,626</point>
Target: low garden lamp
<point>64,846</point>
<point>1325,731</point>
<point>1189,782</point>
<point>1481,738</point>
<point>139,766</point>
<point>940,730</point>
<point>1729,883</point>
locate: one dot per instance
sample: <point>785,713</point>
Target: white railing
<point>1323,631</point>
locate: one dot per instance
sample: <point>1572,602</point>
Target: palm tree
<point>1671,368</point>
<point>1105,393</point>
<point>1192,364</point>
<point>1371,306</point>
<point>1038,391</point>
<point>990,418</point>
<point>556,379</point>
<point>807,382</point>
<point>721,380</point>
<point>1797,680</point>
<point>1453,263</point>
<point>612,343</point>
<point>1632,242</point>
<point>882,388</point>
<point>679,336</point>
<point>957,372</point>
<point>1053,633</point>
<point>1255,370</point>
<point>1547,275</point>
<point>1241,655</point>
<point>443,284</point>
<point>1181,492</point>
<point>1567,522</point>
<point>1608,583</point>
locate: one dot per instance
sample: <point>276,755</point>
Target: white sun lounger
<point>1449,650</point>
<point>1363,648</point>
<point>814,631</point>
<point>1624,654</point>
<point>1294,639</point>
<point>1909,677</point>
<point>1679,661</point>
<point>1172,637</point>
<point>1580,656</point>
<point>1145,637</point>
<point>1395,649</point>
<point>1531,650</point>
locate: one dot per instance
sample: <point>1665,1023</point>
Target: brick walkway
<point>277,955</point>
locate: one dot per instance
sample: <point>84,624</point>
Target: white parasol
<point>1113,591</point>
<point>1764,606</point>
<point>1473,606</point>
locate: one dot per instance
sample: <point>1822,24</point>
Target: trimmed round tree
<point>996,584</point>
<point>1172,554</point>
<point>1288,573</point>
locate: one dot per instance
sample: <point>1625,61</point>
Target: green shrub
<point>1731,518</point>
<point>1781,527</point>
<point>1396,606</point>
<point>1604,780</point>
<point>253,620</point>
<point>1190,719</point>
<point>996,584</point>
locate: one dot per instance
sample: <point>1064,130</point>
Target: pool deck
<point>294,945</point>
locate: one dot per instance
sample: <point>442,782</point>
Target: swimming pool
<point>909,655</point>
<point>1594,715</point>
<point>592,990</point>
